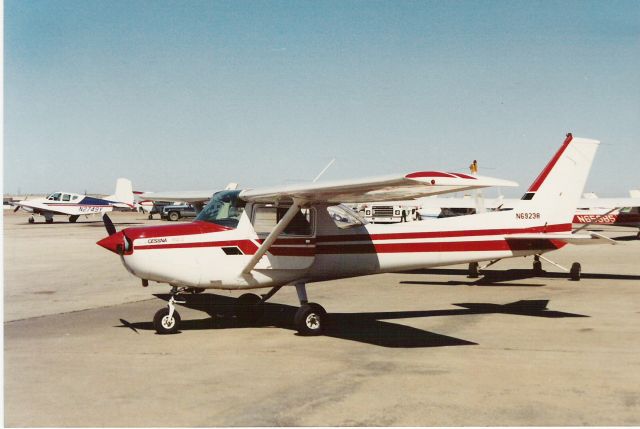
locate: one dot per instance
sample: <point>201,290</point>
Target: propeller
<point>111,229</point>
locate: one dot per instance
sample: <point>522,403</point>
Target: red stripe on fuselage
<point>543,175</point>
<point>446,246</point>
<point>191,228</point>
<point>565,227</point>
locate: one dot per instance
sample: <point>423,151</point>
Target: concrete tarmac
<point>424,348</point>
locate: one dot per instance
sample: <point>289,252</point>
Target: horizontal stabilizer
<point>579,239</point>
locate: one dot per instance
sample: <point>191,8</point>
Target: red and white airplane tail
<point>557,190</point>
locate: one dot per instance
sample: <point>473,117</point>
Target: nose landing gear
<point>167,320</point>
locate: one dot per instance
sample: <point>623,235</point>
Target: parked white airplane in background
<point>76,205</point>
<point>286,235</point>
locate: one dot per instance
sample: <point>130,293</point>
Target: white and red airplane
<point>609,211</point>
<point>76,205</point>
<point>287,235</point>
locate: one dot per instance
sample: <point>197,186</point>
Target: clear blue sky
<point>194,94</point>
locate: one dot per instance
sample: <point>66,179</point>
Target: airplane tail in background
<point>124,192</point>
<point>557,190</point>
<point>634,193</point>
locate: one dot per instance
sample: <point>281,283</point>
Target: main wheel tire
<point>31,219</point>
<point>576,271</point>
<point>49,220</point>
<point>174,216</point>
<point>165,325</point>
<point>310,319</point>
<point>537,268</point>
<point>150,216</point>
<point>473,270</point>
<point>73,218</point>
<point>249,308</point>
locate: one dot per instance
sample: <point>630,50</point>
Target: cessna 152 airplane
<point>286,235</point>
<point>76,205</point>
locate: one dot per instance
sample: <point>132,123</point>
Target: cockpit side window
<point>266,217</point>
<point>225,208</point>
<point>66,197</point>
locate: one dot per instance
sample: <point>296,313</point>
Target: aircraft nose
<point>114,243</point>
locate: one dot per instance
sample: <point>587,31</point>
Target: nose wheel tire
<point>576,271</point>
<point>310,319</point>
<point>165,324</point>
<point>31,219</point>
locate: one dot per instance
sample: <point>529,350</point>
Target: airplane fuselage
<point>205,255</point>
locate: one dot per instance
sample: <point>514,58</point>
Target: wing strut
<point>273,235</point>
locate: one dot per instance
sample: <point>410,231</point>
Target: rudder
<point>558,188</point>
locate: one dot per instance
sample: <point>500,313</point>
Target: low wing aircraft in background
<point>76,205</point>
<point>287,235</point>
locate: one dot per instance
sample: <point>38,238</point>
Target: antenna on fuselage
<point>323,170</point>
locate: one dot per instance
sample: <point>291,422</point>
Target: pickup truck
<point>176,212</point>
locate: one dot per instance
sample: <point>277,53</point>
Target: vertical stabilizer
<point>124,192</point>
<point>557,190</point>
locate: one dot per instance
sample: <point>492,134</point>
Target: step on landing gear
<point>310,319</point>
<point>167,319</point>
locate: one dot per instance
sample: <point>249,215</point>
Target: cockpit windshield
<point>344,217</point>
<point>54,197</point>
<point>225,208</point>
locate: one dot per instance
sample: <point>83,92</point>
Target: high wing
<point>186,196</point>
<point>194,197</point>
<point>384,188</point>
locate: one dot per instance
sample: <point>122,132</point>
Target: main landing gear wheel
<point>537,266</point>
<point>150,217</point>
<point>31,219</point>
<point>310,319</point>
<point>49,220</point>
<point>165,324</point>
<point>73,218</point>
<point>474,271</point>
<point>250,308</point>
<point>576,271</point>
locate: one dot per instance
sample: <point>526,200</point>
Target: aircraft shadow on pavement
<point>369,328</point>
<point>495,277</point>
<point>633,237</point>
